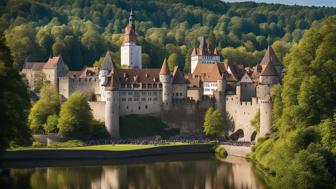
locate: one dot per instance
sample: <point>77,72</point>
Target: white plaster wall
<point>131,56</point>
<point>209,88</point>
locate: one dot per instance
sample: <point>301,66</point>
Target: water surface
<point>196,171</point>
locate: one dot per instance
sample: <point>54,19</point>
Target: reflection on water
<point>206,173</point>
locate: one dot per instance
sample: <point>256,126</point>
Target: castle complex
<point>238,92</point>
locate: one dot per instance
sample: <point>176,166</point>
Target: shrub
<point>67,144</point>
<point>38,144</point>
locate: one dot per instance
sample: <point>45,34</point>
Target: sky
<point>329,3</point>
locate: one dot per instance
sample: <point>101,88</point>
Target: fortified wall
<point>239,116</point>
<point>89,86</point>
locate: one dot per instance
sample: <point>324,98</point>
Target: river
<point>191,171</point>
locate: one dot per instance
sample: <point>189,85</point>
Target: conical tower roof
<point>270,57</point>
<point>107,62</point>
<point>269,70</point>
<point>164,69</point>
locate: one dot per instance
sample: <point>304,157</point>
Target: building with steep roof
<point>50,70</point>
<point>203,55</point>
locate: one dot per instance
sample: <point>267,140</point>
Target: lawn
<point>108,147</point>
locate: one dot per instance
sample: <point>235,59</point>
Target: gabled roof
<point>178,77</point>
<point>33,65</point>
<point>164,69</point>
<point>209,72</point>
<point>52,62</point>
<point>246,79</point>
<point>269,70</point>
<point>270,57</point>
<point>112,82</point>
<point>107,62</point>
<point>144,76</point>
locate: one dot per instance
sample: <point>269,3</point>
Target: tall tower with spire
<point>203,55</point>
<point>130,51</point>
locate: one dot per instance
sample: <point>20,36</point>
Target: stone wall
<point>98,110</point>
<point>239,115</point>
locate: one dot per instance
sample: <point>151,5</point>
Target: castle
<point>237,91</point>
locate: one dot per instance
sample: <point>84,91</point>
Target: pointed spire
<point>270,57</point>
<point>131,18</point>
<point>130,36</point>
<point>269,70</point>
<point>164,69</point>
<point>216,52</point>
<point>107,62</point>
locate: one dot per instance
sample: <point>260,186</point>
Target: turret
<point>112,104</point>
<point>167,86</point>
<point>130,52</point>
<point>105,68</point>
<point>265,116</point>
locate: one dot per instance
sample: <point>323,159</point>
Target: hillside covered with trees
<point>82,30</point>
<point>301,150</point>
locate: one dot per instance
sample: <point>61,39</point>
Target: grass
<point>107,147</point>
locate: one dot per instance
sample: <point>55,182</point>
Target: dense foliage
<point>82,30</point>
<point>213,122</point>
<point>301,153</point>
<point>14,103</point>
<point>48,105</point>
<point>75,118</point>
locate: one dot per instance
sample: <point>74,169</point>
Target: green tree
<point>255,122</point>
<point>213,122</point>
<point>47,105</point>
<point>51,125</point>
<point>14,103</point>
<point>75,118</point>
<point>173,60</point>
<point>40,79</point>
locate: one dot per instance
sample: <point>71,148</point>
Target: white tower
<point>130,52</point>
<point>167,86</point>
<point>203,55</point>
<point>265,116</point>
<point>112,105</point>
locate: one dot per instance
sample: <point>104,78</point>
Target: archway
<point>253,136</point>
<point>236,135</point>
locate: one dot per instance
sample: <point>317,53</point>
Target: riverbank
<point>101,153</point>
<point>239,151</point>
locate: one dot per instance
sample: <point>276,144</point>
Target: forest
<point>83,30</point>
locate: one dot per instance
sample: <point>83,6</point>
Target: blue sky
<point>329,3</point>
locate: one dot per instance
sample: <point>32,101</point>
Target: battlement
<point>80,79</point>
<point>235,100</point>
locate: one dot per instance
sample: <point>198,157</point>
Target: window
<point>149,99</point>
<point>143,93</point>
<point>149,93</point>
<point>136,99</point>
<point>155,93</point>
<point>129,93</point>
<point>155,99</point>
<point>143,99</point>
<point>143,85</point>
<point>146,106</point>
<point>130,99</point>
<point>176,94</point>
<point>149,86</point>
<point>123,99</point>
<point>180,94</point>
<point>139,107</point>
